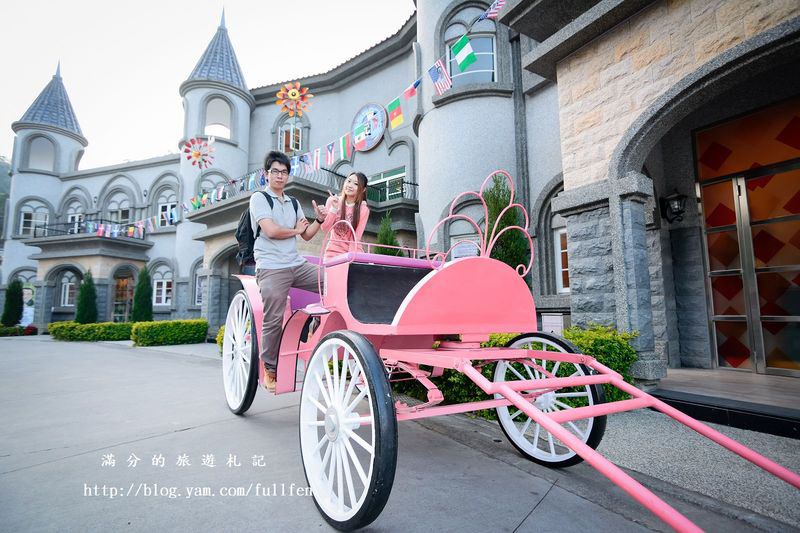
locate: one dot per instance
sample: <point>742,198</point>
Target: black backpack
<point>244,232</point>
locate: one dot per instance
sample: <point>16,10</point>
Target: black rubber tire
<point>598,396</point>
<point>252,374</point>
<point>385,461</point>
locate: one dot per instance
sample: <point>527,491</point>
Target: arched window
<point>483,43</point>
<point>166,202</point>
<point>291,137</point>
<point>162,285</point>
<point>68,287</point>
<point>552,246</point>
<point>41,154</point>
<point>560,254</point>
<point>26,276</point>
<point>212,183</point>
<point>118,208</point>
<point>74,215</point>
<point>218,118</point>
<point>33,218</point>
<point>199,284</point>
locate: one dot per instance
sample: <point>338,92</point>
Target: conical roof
<point>219,62</point>
<point>53,107</point>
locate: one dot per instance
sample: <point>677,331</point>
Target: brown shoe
<point>269,380</point>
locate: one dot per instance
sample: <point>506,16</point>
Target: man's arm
<point>310,231</point>
<point>274,231</point>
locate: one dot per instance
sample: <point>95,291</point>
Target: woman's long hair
<point>361,194</point>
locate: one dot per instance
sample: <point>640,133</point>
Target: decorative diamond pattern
<point>715,155</point>
<point>722,215</point>
<point>734,352</point>
<point>724,250</point>
<point>790,135</point>
<point>793,205</point>
<point>766,246</point>
<point>727,286</point>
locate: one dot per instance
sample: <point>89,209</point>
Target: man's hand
<point>301,225</point>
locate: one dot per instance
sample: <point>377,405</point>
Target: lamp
<point>673,206</point>
<point>144,193</point>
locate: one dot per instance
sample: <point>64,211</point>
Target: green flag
<point>463,53</point>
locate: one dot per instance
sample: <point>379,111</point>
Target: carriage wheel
<point>527,436</point>
<point>348,430</point>
<point>240,355</point>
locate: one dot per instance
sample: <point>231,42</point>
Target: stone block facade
<point>606,85</point>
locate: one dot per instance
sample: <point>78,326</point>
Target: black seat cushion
<point>375,292</point>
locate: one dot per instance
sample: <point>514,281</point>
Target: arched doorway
<point>122,295</point>
<point>65,282</point>
<point>222,286</point>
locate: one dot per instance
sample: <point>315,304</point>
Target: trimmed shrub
<point>167,332</point>
<point>220,337</point>
<point>143,298</point>
<point>86,312</point>
<point>12,331</point>
<point>610,347</point>
<point>512,247</point>
<point>387,236</point>
<point>12,309</point>
<point>102,331</point>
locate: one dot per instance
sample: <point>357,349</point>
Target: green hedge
<point>608,346</point>
<point>166,332</point>
<point>18,331</point>
<point>220,337</point>
<point>102,331</point>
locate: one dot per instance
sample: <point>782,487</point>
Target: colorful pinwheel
<point>293,99</point>
<point>199,152</point>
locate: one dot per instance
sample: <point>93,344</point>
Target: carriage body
<point>378,317</point>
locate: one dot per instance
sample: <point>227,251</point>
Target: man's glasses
<point>273,172</point>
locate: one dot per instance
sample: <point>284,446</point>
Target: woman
<point>351,205</point>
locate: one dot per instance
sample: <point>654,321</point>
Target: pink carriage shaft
<point>637,491</point>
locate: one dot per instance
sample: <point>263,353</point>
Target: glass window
<point>33,221</point>
<point>199,289</point>
<point>561,259</point>
<point>291,137</point>
<point>386,185</point>
<point>118,208</point>
<point>218,118</point>
<point>162,285</point>
<point>165,216</point>
<point>484,67</point>
<point>68,289</point>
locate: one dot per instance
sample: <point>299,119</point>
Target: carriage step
<point>315,310</point>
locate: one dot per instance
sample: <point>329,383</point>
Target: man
<point>279,266</point>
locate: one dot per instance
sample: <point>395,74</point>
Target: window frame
<point>387,176</point>
<point>557,261</point>
<point>162,292</point>
<point>161,223</point>
<point>293,128</point>
<point>200,283</point>
<point>450,59</point>
<point>68,290</point>
<point>31,232</point>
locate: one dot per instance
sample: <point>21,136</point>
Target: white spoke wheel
<point>240,355</point>
<point>348,430</point>
<point>530,438</point>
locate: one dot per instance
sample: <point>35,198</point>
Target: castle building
<point>655,144</point>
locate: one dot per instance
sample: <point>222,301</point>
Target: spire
<point>219,62</point>
<point>52,107</point>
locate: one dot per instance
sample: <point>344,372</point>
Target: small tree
<point>143,298</point>
<point>512,247</point>
<point>387,236</point>
<point>86,312</point>
<point>12,309</point>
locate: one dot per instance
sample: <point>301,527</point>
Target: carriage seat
<point>377,284</point>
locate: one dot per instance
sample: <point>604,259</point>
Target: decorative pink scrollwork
<point>486,239</point>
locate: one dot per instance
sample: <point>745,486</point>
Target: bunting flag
<point>360,137</point>
<point>345,147</point>
<point>462,50</point>
<point>164,217</point>
<point>184,207</point>
<point>440,78</point>
<point>306,159</point>
<point>294,162</point>
<point>330,155</point>
<point>395,113</point>
<point>411,91</point>
<point>115,230</point>
<point>108,230</point>
<point>130,231</point>
<point>150,227</point>
<point>101,230</point>
<point>204,199</point>
<point>140,229</point>
<point>90,227</point>
<point>493,10</point>
<point>315,161</point>
<point>174,215</point>
<point>220,190</point>
<point>251,184</point>
<point>262,179</point>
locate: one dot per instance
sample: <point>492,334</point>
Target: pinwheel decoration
<point>199,152</point>
<point>293,99</point>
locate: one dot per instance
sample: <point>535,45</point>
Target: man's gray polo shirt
<point>271,254</point>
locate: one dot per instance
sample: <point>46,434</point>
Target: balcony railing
<point>83,226</point>
<point>391,190</point>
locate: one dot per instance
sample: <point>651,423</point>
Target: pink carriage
<point>384,318</point>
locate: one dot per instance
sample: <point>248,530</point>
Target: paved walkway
<point>66,405</point>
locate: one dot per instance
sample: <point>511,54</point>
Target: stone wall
<point>591,269</point>
<point>606,85</point>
